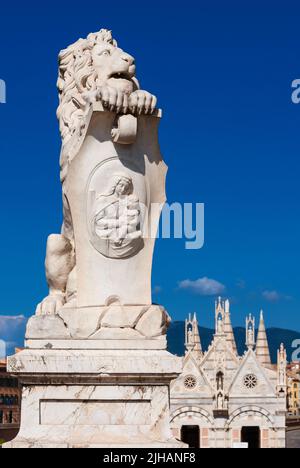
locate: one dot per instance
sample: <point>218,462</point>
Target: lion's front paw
<point>51,305</point>
<point>111,98</point>
<point>142,102</point>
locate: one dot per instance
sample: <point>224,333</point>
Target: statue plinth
<point>90,398</point>
<point>103,327</point>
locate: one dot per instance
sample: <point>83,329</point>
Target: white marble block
<point>95,398</point>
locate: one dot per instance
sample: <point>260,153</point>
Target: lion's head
<point>85,65</point>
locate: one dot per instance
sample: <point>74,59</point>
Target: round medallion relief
<point>116,207</point>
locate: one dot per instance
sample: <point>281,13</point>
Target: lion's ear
<point>136,83</point>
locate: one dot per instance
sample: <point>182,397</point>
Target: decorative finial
<point>250,332</point>
<point>261,315</point>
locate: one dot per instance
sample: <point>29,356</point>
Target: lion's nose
<point>127,58</point>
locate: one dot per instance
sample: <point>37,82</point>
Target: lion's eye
<point>105,53</point>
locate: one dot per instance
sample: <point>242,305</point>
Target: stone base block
<point>144,324</point>
<point>95,398</point>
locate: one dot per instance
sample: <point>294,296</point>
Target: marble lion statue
<point>90,70</point>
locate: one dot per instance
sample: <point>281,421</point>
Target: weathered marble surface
<point>115,322</point>
<point>112,362</point>
<point>95,399</point>
<point>121,344</point>
<point>86,416</point>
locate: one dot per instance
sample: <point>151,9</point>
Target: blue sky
<point>230,134</point>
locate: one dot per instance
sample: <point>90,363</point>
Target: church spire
<point>250,332</point>
<point>262,346</point>
<point>219,316</point>
<point>192,336</point>
<point>228,327</point>
<point>281,371</point>
<point>197,340</point>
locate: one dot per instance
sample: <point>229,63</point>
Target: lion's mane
<point>76,76</point>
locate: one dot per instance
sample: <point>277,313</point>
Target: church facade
<point>223,400</point>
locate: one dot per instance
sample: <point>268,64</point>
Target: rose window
<point>250,381</point>
<point>190,382</point>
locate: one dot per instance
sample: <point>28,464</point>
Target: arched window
<point>220,381</point>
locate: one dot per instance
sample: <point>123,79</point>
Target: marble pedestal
<point>94,398</point>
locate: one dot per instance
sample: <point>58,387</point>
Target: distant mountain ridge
<point>276,336</point>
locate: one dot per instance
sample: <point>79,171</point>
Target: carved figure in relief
<point>116,221</point>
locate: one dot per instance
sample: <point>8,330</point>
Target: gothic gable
<point>192,380</point>
<point>220,358</point>
<point>252,379</point>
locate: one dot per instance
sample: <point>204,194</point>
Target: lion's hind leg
<point>60,261</point>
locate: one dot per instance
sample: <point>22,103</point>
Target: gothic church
<point>223,400</point>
